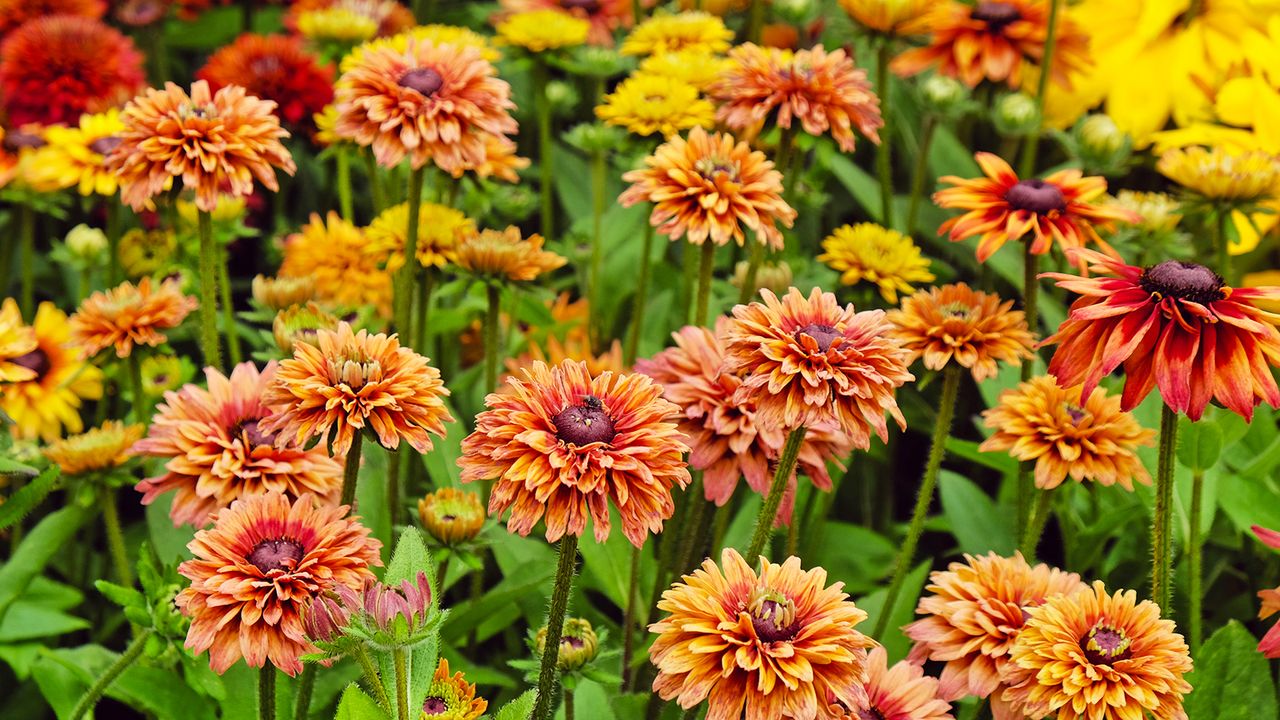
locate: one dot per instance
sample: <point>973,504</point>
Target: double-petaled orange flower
<point>775,644</point>
<point>955,323</point>
<point>1174,325</point>
<point>900,692</point>
<point>277,68</point>
<point>1270,643</point>
<point>564,445</point>
<point>129,315</point>
<point>505,255</point>
<point>16,341</point>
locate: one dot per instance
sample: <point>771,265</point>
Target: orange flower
<point>218,143</point>
<point>16,341</point>
<point>102,448</point>
<point>277,68</point>
<point>955,323</point>
<point>451,696</point>
<point>1002,208</point>
<point>901,692</point>
<point>505,255</point>
<point>125,316</point>
<point>824,91</point>
<point>564,444</point>
<point>1270,643</point>
<point>500,160</point>
<point>605,16</point>
<point>710,186</point>
<point>16,12</point>
<point>727,443</point>
<point>1175,325</point>
<point>974,612</point>
<point>335,254</point>
<point>348,381</point>
<point>807,361</point>
<point>429,102</point>
<point>992,41</point>
<point>258,567</point>
<point>1090,440</point>
<point>216,451</point>
<point>1091,655</point>
<point>777,644</point>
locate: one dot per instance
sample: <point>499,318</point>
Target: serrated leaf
<point>1232,680</point>
<point>123,596</point>
<point>9,466</point>
<point>408,559</point>
<point>1199,444</point>
<point>356,705</point>
<point>19,504</point>
<point>519,708</point>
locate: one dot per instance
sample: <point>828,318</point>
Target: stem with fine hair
<point>1196,560</point>
<point>594,331</point>
<point>568,704</point>
<point>426,287</point>
<point>133,366</point>
<point>95,692</point>
<point>1221,245</point>
<point>1030,307</point>
<point>375,182</point>
<point>113,241</point>
<point>494,294</point>
<point>406,277</point>
<point>306,684</point>
<point>706,268</point>
<point>919,171</point>
<point>1162,523</point>
<point>399,659</point>
<point>769,510</point>
<point>542,118</point>
<point>267,692</point>
<point>371,678</point>
<point>641,297</point>
<point>1030,539</point>
<point>547,672</point>
<point>208,291</point>
<point>346,205</point>
<point>115,538</point>
<point>1032,145</point>
<point>884,151</point>
<point>629,619</point>
<point>351,471</point>
<point>27,245</point>
<point>228,311</point>
<point>937,448</point>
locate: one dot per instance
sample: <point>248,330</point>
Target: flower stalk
<point>706,268</point>
<point>884,151</point>
<point>371,678</point>
<point>346,204</point>
<point>494,293</point>
<point>641,296</point>
<point>306,684</point>
<point>547,672</point>
<point>351,471</point>
<point>927,129</point>
<point>27,250</point>
<point>1196,560</point>
<point>115,538</point>
<point>1162,523</point>
<point>597,252</point>
<point>1036,522</point>
<point>1032,145</point>
<point>209,276</point>
<point>228,310</point>
<point>407,277</point>
<point>769,510</point>
<point>629,618</point>
<point>542,118</point>
<point>100,686</point>
<point>400,661</point>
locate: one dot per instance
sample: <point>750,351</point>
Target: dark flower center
<point>253,434</point>
<point>1076,413</point>
<point>584,424</point>
<point>278,554</point>
<point>1035,196</point>
<point>996,14</point>
<point>16,140</point>
<point>1183,280</point>
<point>589,6</point>
<point>773,615</point>
<point>571,641</point>
<point>870,714</point>
<point>1105,645</point>
<point>434,705</point>
<point>449,518</point>
<point>824,335</point>
<point>422,80</point>
<point>36,361</point>
<point>711,167</point>
<point>104,145</point>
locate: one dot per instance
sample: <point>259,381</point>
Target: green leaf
<point>21,657</point>
<point>864,188</point>
<point>861,570</point>
<point>121,595</point>
<point>1232,680</point>
<point>607,565</point>
<point>520,708</point>
<point>1199,444</point>
<point>19,504</point>
<point>50,536</point>
<point>356,705</point>
<point>170,542</point>
<point>9,466</point>
<point>976,522</point>
<point>409,558</point>
<point>591,699</point>
<point>26,620</point>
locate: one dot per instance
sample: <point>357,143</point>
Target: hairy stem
<point>407,276</point>
<point>641,297</point>
<point>95,692</point>
<point>884,151</point>
<point>1196,561</point>
<point>1162,523</point>
<point>267,692</point>
<point>1032,145</point>
<point>769,510</point>
<point>351,471</point>
<point>547,672</point>
<point>208,292</point>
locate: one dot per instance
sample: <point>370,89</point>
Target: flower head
<point>1175,325</point>
<point>216,449</point>
<point>669,33</point>
<point>505,255</point>
<point>435,34</point>
<point>1091,655</point>
<point>349,381</point>
<point>386,17</point>
<point>258,567</point>
<point>276,68</point>
<point>145,252</point>
<point>102,448</point>
<point>130,315</point>
<point>542,30</point>
<point>500,160</point>
<point>1000,208</point>
<point>47,403</point>
<point>451,697</point>
<point>711,187</point>
<point>735,638</point>
<point>1270,643</point>
<point>1064,435</point>
<point>440,230</point>
<point>451,515</point>
<point>822,90</point>
<point>1155,211</point>
<point>280,293</point>
<point>578,644</point>
<point>694,66</point>
<point>381,615</point>
<point>563,445</point>
<point>299,323</point>
<point>75,156</point>
<point>955,323</point>
<point>604,16</point>
<point>334,254</point>
<point>1217,174</point>
<point>645,104</point>
<point>901,692</point>
<point>16,12</point>
<point>878,255</point>
<point>16,342</point>
<point>889,17</point>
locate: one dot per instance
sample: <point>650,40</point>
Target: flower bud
<point>1100,135</point>
<point>775,276</point>
<point>278,293</point>
<point>86,244</point>
<point>578,644</point>
<point>162,373</point>
<point>451,516</point>
<point>325,618</point>
<point>562,96</point>
<point>595,61</point>
<point>792,11</point>
<point>1016,114</point>
<point>595,137</point>
<point>145,252</point>
<point>944,95</point>
<point>514,204</point>
<point>299,324</point>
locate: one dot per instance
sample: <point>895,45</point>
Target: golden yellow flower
<point>871,253</point>
<point>695,66</point>
<point>451,515</point>
<point>76,156</point>
<point>440,230</point>
<point>955,323</point>
<point>504,254</point>
<point>542,30</point>
<point>891,17</point>
<point>16,342</point>
<point>278,293</point>
<point>336,24</point>
<point>331,251</point>
<point>645,104</point>
<point>1218,174</point>
<point>48,403</point>
<point>102,448</point>
<point>144,252</point>
<point>665,32</point>
<point>325,121</point>
<point>1156,211</point>
<point>436,34</point>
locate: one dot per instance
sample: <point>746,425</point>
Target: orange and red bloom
<point>1270,643</point>
<point>900,692</point>
<point>276,68</point>
<point>563,445</point>
<point>1174,325</point>
<point>129,315</point>
<point>955,323</point>
<point>775,644</point>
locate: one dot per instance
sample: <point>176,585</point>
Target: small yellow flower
<point>337,24</point>
<point>696,66</point>
<point>647,104</point>
<point>332,251</point>
<point>101,448</point>
<point>451,515</point>
<point>440,230</point>
<point>870,253</point>
<point>504,254</point>
<point>143,252</point>
<point>325,121</point>
<point>542,30</point>
<point>1158,211</point>
<point>664,33</point>
<point>891,17</point>
<point>1217,174</point>
<point>279,293</point>
<point>74,156</point>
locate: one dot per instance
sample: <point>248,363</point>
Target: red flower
<point>274,67</point>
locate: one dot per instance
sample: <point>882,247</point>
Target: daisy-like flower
<point>258,567</point>
<point>694,66</point>
<point>505,255</point>
<point>129,315</point>
<point>334,254</point>
<point>901,692</point>
<point>645,104</point>
<point>349,381</point>
<point>995,41</point>
<point>1217,174</point>
<point>1156,212</point>
<point>955,323</point>
<point>386,17</point>
<point>54,69</point>
<point>878,255</point>
<point>1093,655</point>
<point>1000,208</point>
<point>541,30</point>
<point>1270,643</point>
<point>440,230</point>
<point>340,25</point>
<point>564,445</point>
<point>451,697</point>
<point>711,187</point>
<point>668,33</point>
<point>451,515</point>
<point>276,68</point>
<point>16,341</point>
<point>76,156</point>
<point>102,448</point>
<point>889,17</point>
<point>48,403</point>
<point>808,361</point>
<point>1087,439</point>
<point>427,102</point>
<point>279,293</point>
<point>973,612</point>
<point>726,442</point>
<point>1175,325</point>
<point>604,16</point>
<point>216,450</point>
<point>146,252</point>
<point>500,161</point>
<point>822,90</point>
<point>434,34</point>
<point>217,143</point>
<point>16,12</point>
<point>776,644</point>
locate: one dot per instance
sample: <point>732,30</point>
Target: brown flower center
<point>996,14</point>
<point>1035,196</point>
<point>773,615</point>
<point>17,140</point>
<point>571,641</point>
<point>1105,645</point>
<point>870,714</point>
<point>36,361</point>
<point>590,6</point>
<point>584,424</point>
<point>104,145</point>
<point>424,81</point>
<point>711,167</point>
<point>824,335</point>
<point>280,554</point>
<point>1183,280</point>
<point>253,434</point>
<point>434,705</point>
<point>1076,413</point>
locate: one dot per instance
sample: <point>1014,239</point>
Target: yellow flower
<point>16,343</point>
<point>440,230</point>
<point>664,33</point>
<point>647,104</point>
<point>434,34</point>
<point>325,121</point>
<point>143,252</point>
<point>336,24</point>
<point>1263,278</point>
<point>505,255</point>
<point>49,403</point>
<point>868,252</point>
<point>891,17</point>
<point>1217,174</point>
<point>73,156</point>
<point>1158,211</point>
<point>542,30</point>
<point>332,252</point>
<point>101,448</point>
<point>696,66</point>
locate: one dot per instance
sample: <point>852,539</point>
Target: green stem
<point>351,471</point>
<point>691,532</point>
<point>641,297</point>
<point>494,293</point>
<point>705,270</point>
<point>27,244</point>
<point>133,366</point>
<point>884,151</point>
<point>769,510</point>
<point>361,655</point>
<point>755,256</point>
<point>113,241</point>
<point>629,619</point>
<point>1221,245</point>
<point>1030,299</point>
<point>208,292</point>
<point>1035,523</point>
<point>1162,523</point>
<point>546,171</point>
<point>95,692</point>
<point>396,479</point>
<point>937,448</point>
<point>346,205</point>
<point>1196,560</point>
<point>306,684</point>
<point>228,310</point>
<point>427,287</point>
<point>755,21</point>
<point>267,692</point>
<point>402,682</point>
<point>1032,145</point>
<point>597,252</point>
<point>115,538</point>
<point>375,183</point>
<point>405,278</point>
<point>920,170</point>
<point>555,626</point>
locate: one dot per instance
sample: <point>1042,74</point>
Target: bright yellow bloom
<point>434,34</point>
<point>440,230</point>
<point>868,252</point>
<point>1157,211</point>
<point>891,17</point>
<point>73,156</point>
<point>542,30</point>
<point>49,404</point>
<point>337,24</point>
<point>332,252</point>
<point>664,33</point>
<point>101,448</point>
<point>646,104</point>
<point>696,66</point>
<point>16,343</point>
<point>1217,174</point>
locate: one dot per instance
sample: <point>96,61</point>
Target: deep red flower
<point>274,67</point>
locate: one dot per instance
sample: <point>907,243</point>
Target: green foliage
<point>1232,680</point>
<point>21,503</point>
